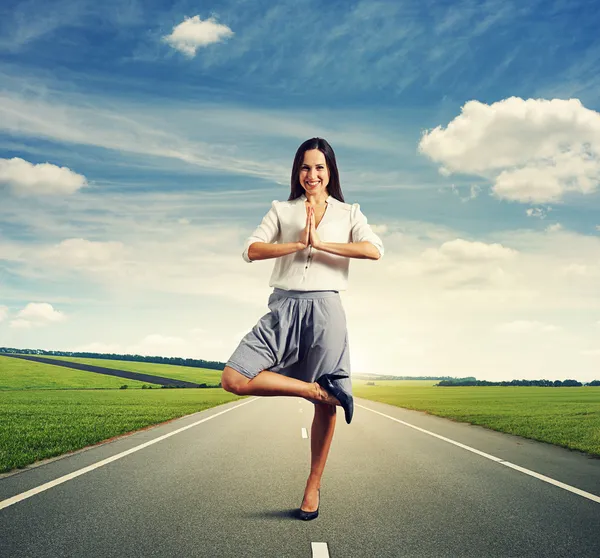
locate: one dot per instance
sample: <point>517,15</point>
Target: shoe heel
<point>307,516</point>
<point>346,400</point>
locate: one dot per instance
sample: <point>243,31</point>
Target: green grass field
<point>27,375</point>
<point>36,425</point>
<point>46,410</point>
<point>186,373</point>
<point>567,417</point>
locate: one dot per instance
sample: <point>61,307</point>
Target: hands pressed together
<point>309,236</point>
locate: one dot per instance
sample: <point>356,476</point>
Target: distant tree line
<point>363,376</point>
<point>541,383</point>
<point>198,363</point>
<point>444,381</point>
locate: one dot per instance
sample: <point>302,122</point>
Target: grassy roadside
<point>46,410</point>
<point>568,417</point>
<point>36,425</point>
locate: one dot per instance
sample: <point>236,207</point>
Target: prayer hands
<point>309,236</point>
<point>305,235</point>
<point>315,241</point>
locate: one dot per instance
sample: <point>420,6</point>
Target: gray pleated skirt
<point>303,336</point>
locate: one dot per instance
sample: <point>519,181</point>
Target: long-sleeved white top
<point>310,269</point>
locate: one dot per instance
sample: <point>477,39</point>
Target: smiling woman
<point>300,348</point>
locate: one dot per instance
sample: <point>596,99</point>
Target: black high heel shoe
<point>306,515</point>
<point>346,400</point>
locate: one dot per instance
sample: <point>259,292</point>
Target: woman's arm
<point>265,250</point>
<point>363,250</point>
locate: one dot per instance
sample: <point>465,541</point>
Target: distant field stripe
<point>46,486</point>
<point>574,490</point>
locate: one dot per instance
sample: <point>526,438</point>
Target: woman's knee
<point>233,381</point>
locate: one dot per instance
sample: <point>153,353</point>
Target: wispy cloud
<point>231,139</point>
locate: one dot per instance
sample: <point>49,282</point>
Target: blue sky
<point>142,142</point>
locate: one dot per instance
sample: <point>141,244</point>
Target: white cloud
<point>198,343</point>
<point>37,314</point>
<point>379,229</point>
<point>460,249</point>
<point>534,150</point>
<point>474,190</point>
<point>526,326</point>
<point>85,254</point>
<point>430,306</point>
<point>3,313</point>
<point>581,270</point>
<point>554,228</point>
<point>21,324</point>
<point>25,178</point>
<point>157,344</point>
<point>458,264</point>
<point>539,212</point>
<point>194,33</point>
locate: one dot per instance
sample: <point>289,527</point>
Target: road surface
<point>226,482</point>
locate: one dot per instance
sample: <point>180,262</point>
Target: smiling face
<point>314,175</point>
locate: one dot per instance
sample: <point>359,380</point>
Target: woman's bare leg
<point>321,434</point>
<point>270,383</point>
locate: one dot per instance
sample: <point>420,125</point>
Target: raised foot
<point>321,395</point>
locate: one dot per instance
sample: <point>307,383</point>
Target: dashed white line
<point>304,433</point>
<point>574,490</point>
<point>319,550</point>
<point>65,478</point>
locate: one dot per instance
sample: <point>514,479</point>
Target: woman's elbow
<point>251,254</point>
<point>374,252</point>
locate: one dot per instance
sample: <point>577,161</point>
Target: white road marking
<point>539,476</point>
<point>319,550</point>
<point>74,474</point>
<point>304,433</point>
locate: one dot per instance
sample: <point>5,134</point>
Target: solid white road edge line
<point>65,478</point>
<point>319,550</point>
<point>544,478</point>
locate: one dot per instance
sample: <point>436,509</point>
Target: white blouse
<point>310,269</point>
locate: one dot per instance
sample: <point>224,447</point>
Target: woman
<point>300,348</point>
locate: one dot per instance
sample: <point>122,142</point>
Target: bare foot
<point>321,395</point>
<point>310,502</point>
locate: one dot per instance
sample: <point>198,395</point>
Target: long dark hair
<point>334,188</point>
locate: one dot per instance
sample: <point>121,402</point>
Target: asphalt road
<point>227,485</point>
<point>140,376</point>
